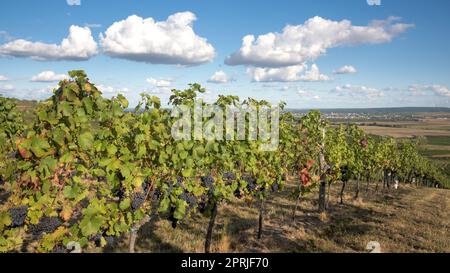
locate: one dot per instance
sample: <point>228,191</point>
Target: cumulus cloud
<point>297,44</point>
<point>358,91</point>
<point>78,46</point>
<point>346,69</point>
<point>159,82</point>
<point>48,76</point>
<point>111,91</point>
<point>159,86</point>
<point>287,74</point>
<point>7,87</point>
<point>219,77</point>
<point>165,42</point>
<point>3,78</point>
<point>73,2</point>
<point>29,94</point>
<point>437,89</point>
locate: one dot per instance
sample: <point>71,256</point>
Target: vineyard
<point>86,171</point>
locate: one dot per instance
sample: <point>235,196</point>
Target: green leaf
<point>86,140</point>
<point>125,204</point>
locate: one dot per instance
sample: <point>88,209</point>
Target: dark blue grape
<point>59,249</point>
<point>18,216</point>
<point>275,187</point>
<point>238,194</point>
<point>137,201</point>
<point>229,176</point>
<point>207,181</point>
<point>45,225</point>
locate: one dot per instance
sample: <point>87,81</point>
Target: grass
<point>406,220</point>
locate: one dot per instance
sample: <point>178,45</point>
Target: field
<point>406,220</point>
<point>432,128</point>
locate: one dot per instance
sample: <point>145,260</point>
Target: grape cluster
<point>208,182</point>
<point>137,201</point>
<point>97,239</point>
<point>101,179</point>
<point>59,249</point>
<point>145,186</point>
<point>238,194</point>
<point>109,240</point>
<point>275,187</point>
<point>45,225</point>
<point>18,216</point>
<point>156,194</point>
<point>1,180</point>
<point>84,203</point>
<point>229,177</point>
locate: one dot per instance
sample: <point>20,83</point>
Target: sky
<point>308,53</point>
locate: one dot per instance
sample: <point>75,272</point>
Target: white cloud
<point>78,46</point>
<point>358,91</point>
<point>219,77</point>
<point>313,75</point>
<point>287,74</point>
<point>7,87</point>
<point>159,86</point>
<point>30,94</point>
<point>159,82</point>
<point>74,2</point>
<point>111,91</point>
<point>165,42</point>
<point>48,76</point>
<point>297,44</point>
<point>3,78</point>
<point>346,69</point>
<point>439,90</point>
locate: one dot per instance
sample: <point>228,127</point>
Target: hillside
<point>407,220</point>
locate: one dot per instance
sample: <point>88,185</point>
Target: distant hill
<point>378,110</point>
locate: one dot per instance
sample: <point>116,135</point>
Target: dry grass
<point>406,220</point>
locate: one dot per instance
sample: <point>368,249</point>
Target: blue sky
<point>400,60</point>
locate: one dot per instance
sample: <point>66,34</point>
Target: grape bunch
<point>145,186</point>
<point>18,216</point>
<point>1,180</point>
<point>208,182</point>
<point>156,194</point>
<point>45,225</point>
<point>229,176</point>
<point>137,201</point>
<point>238,194</point>
<point>97,239</point>
<point>109,240</point>
<point>59,249</point>
<point>84,203</point>
<point>275,187</point>
<point>251,183</point>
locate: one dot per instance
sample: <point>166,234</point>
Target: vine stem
<point>134,232</point>
<point>209,232</point>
